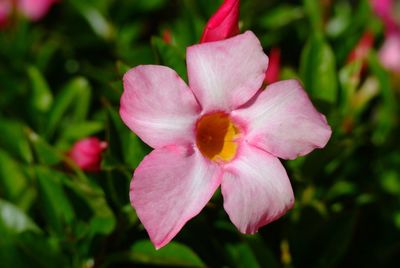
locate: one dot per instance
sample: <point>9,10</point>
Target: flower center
<point>216,137</point>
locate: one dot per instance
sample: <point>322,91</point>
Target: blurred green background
<point>60,81</point>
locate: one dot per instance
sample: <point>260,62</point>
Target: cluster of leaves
<point>60,81</point>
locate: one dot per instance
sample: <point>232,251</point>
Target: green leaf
<point>14,140</point>
<point>13,181</point>
<point>73,101</point>
<point>341,188</point>
<point>264,255</point>
<point>44,152</point>
<point>14,220</point>
<point>97,21</point>
<point>42,97</point>
<point>387,112</point>
<point>318,69</point>
<point>102,219</point>
<point>79,130</point>
<point>340,20</point>
<point>314,11</point>
<point>281,16</point>
<point>173,254</point>
<point>170,56</point>
<point>56,206</point>
<point>36,250</point>
<point>242,255</point>
<point>132,148</point>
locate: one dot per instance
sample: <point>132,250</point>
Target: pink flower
<point>5,11</point>
<point>86,153</point>
<point>389,53</point>
<point>32,9</point>
<point>219,130</point>
<point>274,66</point>
<point>223,24</point>
<point>35,9</point>
<point>384,9</point>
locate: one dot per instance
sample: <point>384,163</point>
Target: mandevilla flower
<point>86,153</point>
<point>219,130</point>
<point>224,23</point>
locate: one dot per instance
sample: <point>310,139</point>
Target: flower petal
<point>224,23</point>
<point>171,186</point>
<point>389,53</point>
<point>283,121</point>
<point>158,106</point>
<point>256,189</point>
<point>226,74</point>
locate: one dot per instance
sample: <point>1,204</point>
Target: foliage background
<point>60,81</point>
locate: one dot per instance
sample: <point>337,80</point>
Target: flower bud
<point>223,24</point>
<point>86,153</point>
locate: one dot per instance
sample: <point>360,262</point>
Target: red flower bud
<point>361,50</point>
<point>86,153</point>
<point>223,24</point>
<point>274,66</point>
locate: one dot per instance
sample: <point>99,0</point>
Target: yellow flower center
<point>216,137</point>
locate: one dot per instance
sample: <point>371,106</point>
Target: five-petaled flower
<point>221,130</point>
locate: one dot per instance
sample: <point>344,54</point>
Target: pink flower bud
<point>86,153</point>
<point>274,66</point>
<point>35,9</point>
<point>223,24</point>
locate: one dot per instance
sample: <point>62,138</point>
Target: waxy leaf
<point>318,69</point>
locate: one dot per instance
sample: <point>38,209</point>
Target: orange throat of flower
<point>216,137</point>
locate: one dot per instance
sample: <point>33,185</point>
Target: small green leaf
<point>281,16</point>
<point>174,254</point>
<point>74,101</point>
<point>170,56</point>
<point>341,188</point>
<point>14,140</point>
<point>97,21</point>
<point>314,11</point>
<point>45,153</point>
<point>261,251</point>
<point>81,130</point>
<point>42,97</point>
<point>13,181</point>
<point>387,112</point>
<point>318,69</point>
<point>242,255</point>
<point>56,206</point>
<point>132,148</point>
